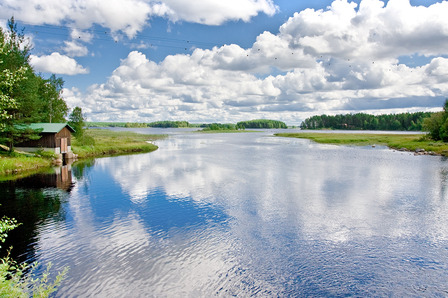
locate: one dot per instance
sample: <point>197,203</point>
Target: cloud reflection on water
<point>244,214</point>
<point>327,192</point>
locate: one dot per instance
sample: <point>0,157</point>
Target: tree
<point>437,125</point>
<point>24,96</point>
<point>77,122</point>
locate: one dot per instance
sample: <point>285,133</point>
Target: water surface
<point>243,214</point>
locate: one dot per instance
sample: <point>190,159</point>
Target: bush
<point>437,125</point>
<point>13,281</point>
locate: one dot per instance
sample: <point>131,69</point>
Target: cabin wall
<point>64,133</point>
<point>48,141</point>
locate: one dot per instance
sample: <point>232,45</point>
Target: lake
<point>245,214</point>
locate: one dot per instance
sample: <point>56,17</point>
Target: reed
<point>103,142</point>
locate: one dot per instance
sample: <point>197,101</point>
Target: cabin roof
<point>50,127</point>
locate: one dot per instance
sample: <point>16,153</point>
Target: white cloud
<point>374,31</point>
<point>75,49</point>
<point>79,35</point>
<point>57,64</point>
<point>325,61</point>
<point>217,12</point>
<point>131,16</point>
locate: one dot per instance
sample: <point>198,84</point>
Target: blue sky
<point>227,61</point>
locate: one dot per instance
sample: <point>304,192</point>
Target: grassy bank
<point>20,164</point>
<point>102,142</point>
<point>108,142</point>
<point>410,142</point>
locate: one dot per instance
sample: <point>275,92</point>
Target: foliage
<point>6,224</point>
<point>76,121</point>
<point>218,126</point>
<point>13,280</point>
<point>25,97</point>
<point>161,124</point>
<point>135,124</point>
<point>437,125</point>
<point>362,121</point>
<point>15,283</point>
<point>15,134</point>
<point>166,124</point>
<point>261,123</point>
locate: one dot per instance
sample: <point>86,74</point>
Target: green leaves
<point>77,122</point>
<point>6,224</point>
<point>437,125</point>
<point>13,280</point>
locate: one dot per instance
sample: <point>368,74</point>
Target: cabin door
<point>64,145</point>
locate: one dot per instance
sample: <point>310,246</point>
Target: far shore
<point>417,143</point>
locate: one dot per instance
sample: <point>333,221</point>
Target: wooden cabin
<point>55,137</point>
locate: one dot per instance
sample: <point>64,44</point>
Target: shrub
<point>13,281</point>
<point>437,124</point>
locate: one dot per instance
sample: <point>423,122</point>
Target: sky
<point>228,61</point>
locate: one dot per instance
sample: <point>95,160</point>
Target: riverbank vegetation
<point>361,121</point>
<point>101,142</point>
<point>159,124</point>
<point>261,123</point>
<point>219,127</point>
<point>437,125</point>
<point>404,142</point>
<point>258,123</point>
<point>20,280</point>
<point>92,143</point>
<point>18,163</point>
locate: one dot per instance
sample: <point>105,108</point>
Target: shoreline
<point>414,143</point>
<point>106,143</point>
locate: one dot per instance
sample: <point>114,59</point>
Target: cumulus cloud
<point>216,12</point>
<point>75,49</point>
<point>335,60</point>
<point>131,16</point>
<point>373,31</point>
<point>57,64</point>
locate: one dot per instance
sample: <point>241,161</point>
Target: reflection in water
<point>34,201</point>
<point>250,214</point>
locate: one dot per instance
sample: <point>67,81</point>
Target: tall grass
<point>18,164</point>
<point>100,142</point>
<point>409,142</point>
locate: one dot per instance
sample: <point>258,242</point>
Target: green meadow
<point>410,142</point>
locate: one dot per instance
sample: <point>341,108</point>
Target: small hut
<point>55,137</point>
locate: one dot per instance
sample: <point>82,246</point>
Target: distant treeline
<point>163,124</point>
<point>361,121</point>
<point>218,126</point>
<point>166,124</point>
<point>261,123</point>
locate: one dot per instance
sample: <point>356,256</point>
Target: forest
<point>261,123</point>
<point>361,121</point>
<point>25,96</point>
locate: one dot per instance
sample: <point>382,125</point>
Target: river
<point>245,214</point>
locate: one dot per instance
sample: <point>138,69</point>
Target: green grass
<point>410,142</point>
<point>16,165</point>
<point>108,142</point>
